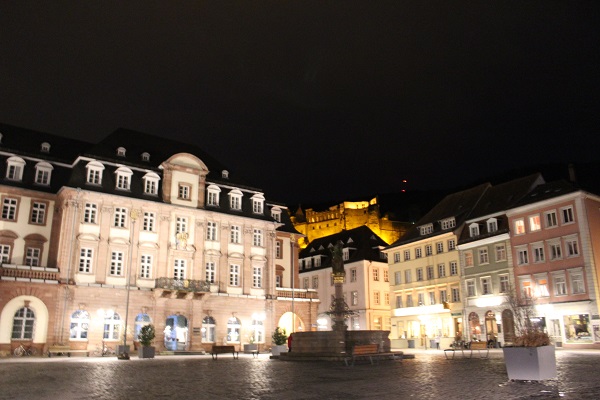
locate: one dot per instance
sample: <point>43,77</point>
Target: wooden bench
<point>216,350</point>
<point>61,349</point>
<point>479,346</point>
<point>370,351</point>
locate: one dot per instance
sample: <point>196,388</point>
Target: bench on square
<point>216,350</point>
<point>370,351</point>
<point>64,349</point>
<point>479,346</point>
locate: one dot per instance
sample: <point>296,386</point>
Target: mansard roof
<point>362,242</point>
<point>548,191</point>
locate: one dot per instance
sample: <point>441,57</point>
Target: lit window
<point>80,322</point>
<point>14,168</point>
<point>354,298</point>
<point>519,227</point>
<point>112,326</point>
<point>208,330</point>
<point>468,259</point>
<point>542,287</point>
<point>43,173</point>
<point>526,288</point>
<point>534,223</point>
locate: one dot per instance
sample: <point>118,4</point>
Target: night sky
<point>316,100</point>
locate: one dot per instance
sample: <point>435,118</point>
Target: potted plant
<point>531,356</point>
<point>279,341</point>
<point>146,337</point>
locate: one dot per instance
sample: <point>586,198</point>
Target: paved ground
<point>428,376</point>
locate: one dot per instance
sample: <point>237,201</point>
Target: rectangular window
<point>85,260</point>
<point>123,181</point>
<point>4,253</point>
<point>183,193</point>
<point>150,186</point>
<point>474,230</point>
<point>526,288</point>
<point>257,277</point>
<point>519,226</point>
<point>386,275</point>
<point>407,276</point>
<point>149,221</point>
<point>376,298</point>
<point>235,202</point>
<point>32,256</point>
<point>577,286</point>
<point>236,235</point>
<point>257,237</point>
<point>94,176</point>
<point>572,247</point>
<point>305,284</point>
<point>397,277</point>
<point>213,198</point>
<point>522,256</point>
<point>9,209</point>
<point>486,286</point>
<point>38,213</point>
<point>179,269</point>
<point>555,251</point>
<point>538,253</point>
<point>211,231</point>
<point>542,287</point>
<point>398,301</point>
<point>396,257</point>
<point>470,288</point>
<point>145,266</point>
<point>419,274</point>
<point>504,284</point>
<point>234,275</point>
<point>432,298</point>
<point>345,254</point>
<point>42,176</point>
<point>550,218</point>
<point>317,261</point>
<point>483,256</point>
<point>560,285</point>
<point>443,296</point>
<point>428,250</point>
<point>376,274</point>
<point>120,217</point>
<point>535,224</point>
<point>409,300</point>
<point>90,213</point>
<point>257,206</point>
<point>421,299</point>
<point>353,275</point>
<point>430,272</point>
<point>354,296</point>
<point>455,294</point>
<point>451,244</point>
<point>116,263</point>
<point>441,270</point>
<point>278,244</point>
<point>418,252</point>
<point>492,225</point>
<point>406,255</point>
<point>181,225</point>
<point>468,258</point>
<point>567,215</point>
<point>211,272</point>
<point>439,247</point>
<point>315,282</point>
<point>453,268</point>
<point>500,252</point>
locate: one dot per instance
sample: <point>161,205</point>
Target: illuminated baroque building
<point>366,286</point>
<point>207,259</point>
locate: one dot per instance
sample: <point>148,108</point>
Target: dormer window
<point>184,192</point>
<point>346,254</point>
<point>45,148</point>
<point>213,193</point>
<point>121,151</point>
<point>492,225</point>
<point>123,178</point>
<point>448,223</point>
<point>426,229</point>
<point>276,214</point>
<point>14,168</point>
<point>225,174</point>
<point>94,172</point>
<point>474,230</point>
<point>151,183</point>
<point>43,173</point>
<point>258,202</point>
<point>145,156</point>
<point>235,199</point>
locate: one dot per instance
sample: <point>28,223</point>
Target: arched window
<point>80,321</point>
<point>213,195</point>
<point>208,330</point>
<point>23,324</point>
<point>112,326</point>
<point>233,330</point>
<point>141,320</point>
<point>258,331</point>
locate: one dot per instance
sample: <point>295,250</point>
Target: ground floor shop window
<point>578,328</point>
<point>80,322</point>
<point>233,330</point>
<point>141,320</point>
<point>23,323</point>
<point>208,330</point>
<point>112,326</point>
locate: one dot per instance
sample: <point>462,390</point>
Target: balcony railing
<point>185,285</point>
<point>297,293</point>
<point>26,273</point>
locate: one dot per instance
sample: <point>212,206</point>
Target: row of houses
<point>100,239</point>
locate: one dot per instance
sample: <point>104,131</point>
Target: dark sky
<point>316,100</point>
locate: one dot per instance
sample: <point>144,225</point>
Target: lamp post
<point>133,216</point>
<point>293,243</point>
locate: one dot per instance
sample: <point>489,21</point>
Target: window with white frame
<point>235,199</point>
<point>451,244</point>
<point>184,191</point>
<point>146,266</point>
<point>120,217</point>
<point>258,331</point>
<point>419,274</point>
<point>376,274</point>
<point>430,272</point>
<point>234,328</point>
<point>453,268</point>
<point>151,183</point>
<point>407,276</point>
<point>439,247</point>
<point>409,300</point>
<point>418,252</point>
<point>257,237</point>
<point>550,218</point>
<point>522,256</point>
<point>121,151</point>
<point>181,224</point>
<point>210,272</point>
<point>426,229</point>
<point>560,284</point>
<point>555,250</point>
<point>315,282</point>
<point>396,257</point>
<point>4,253</point>
<point>432,298</point>
<point>213,194</point>
<point>443,295</point>
<point>492,225</point>
<point>9,208</point>
<point>116,263</point>
<point>468,259</point>
<point>376,298</point>
<point>526,287</point>
<point>500,252</point>
<point>474,230</point>
<point>577,285</point>
<point>14,168</point>
<point>519,226</point>
<point>535,224</point>
<point>90,213</point>
<point>276,214</point>
<point>441,270</point>
<point>421,299</point>
<point>504,284</point>
<point>397,277</point>
<point>483,256</point>
<point>149,221</point>
<point>448,223</point>
<point>305,283</point>
<point>572,246</point>
<point>23,324</point>
<point>32,256</point>
<point>470,288</point>
<point>211,230</point>
<point>386,275</point>
<point>486,285</point>
<point>80,322</point>
<point>399,302</point>
<point>85,260</point>
<point>38,213</point>
<point>123,178</point>
<point>353,275</point>
<point>257,276</point>
<point>428,250</point>
<point>258,202</point>
<point>406,255</point>
<point>541,283</point>
<point>94,172</point>
<point>278,249</point>
<point>538,252</point>
<point>43,173</point>
<point>354,298</point>
<point>567,215</point>
<point>208,330</point>
<point>455,294</point>
<point>345,254</point>
<point>234,275</point>
<point>112,326</point>
<point>317,261</point>
<point>235,234</point>
<point>179,269</point>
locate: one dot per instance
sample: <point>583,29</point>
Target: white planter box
<point>278,349</point>
<point>530,363</point>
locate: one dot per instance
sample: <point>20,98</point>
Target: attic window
<point>121,151</point>
<point>45,148</point>
<point>426,229</point>
<point>474,230</point>
<point>350,241</point>
<point>225,174</point>
<point>145,156</point>
<point>448,223</point>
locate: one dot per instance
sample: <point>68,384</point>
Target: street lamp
<point>133,216</point>
<point>293,243</point>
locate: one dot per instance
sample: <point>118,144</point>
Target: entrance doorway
<point>176,333</point>
<point>491,328</point>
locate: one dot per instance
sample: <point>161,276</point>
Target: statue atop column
<point>339,310</point>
